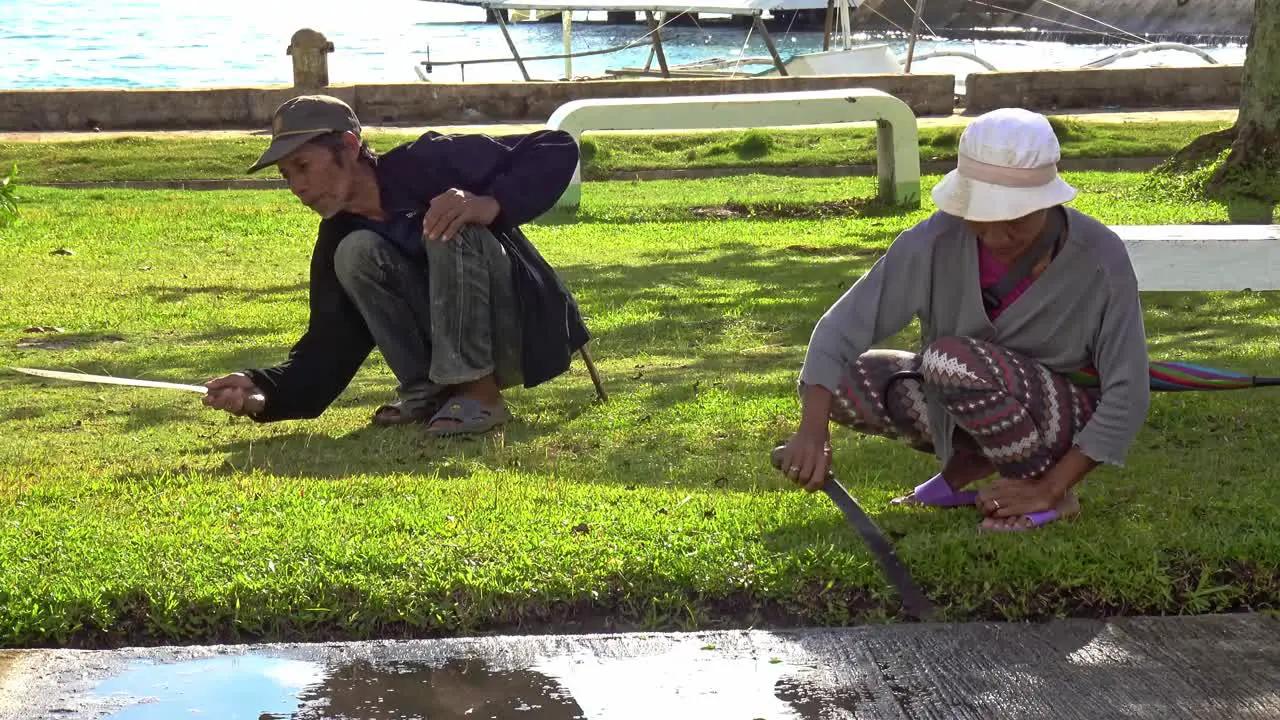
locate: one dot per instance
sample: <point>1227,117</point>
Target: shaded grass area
<point>136,516</point>
<point>149,158</point>
<point>616,152</point>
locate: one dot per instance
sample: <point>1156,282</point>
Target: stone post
<point>309,50</point>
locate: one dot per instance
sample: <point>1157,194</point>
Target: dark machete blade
<point>913,598</point>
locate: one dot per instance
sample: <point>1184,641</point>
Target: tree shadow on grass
<point>709,415</point>
<point>677,301</point>
<point>370,450</point>
<point>232,293</point>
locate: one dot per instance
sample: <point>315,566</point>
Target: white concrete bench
<point>1204,257</point>
<point>897,135</point>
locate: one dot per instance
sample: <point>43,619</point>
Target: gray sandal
<point>394,413</point>
<point>471,417</point>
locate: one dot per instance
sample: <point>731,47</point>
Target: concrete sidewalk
<point>955,120</point>
<point>1218,667</point>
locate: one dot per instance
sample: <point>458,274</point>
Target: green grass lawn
<point>150,158</point>
<point>136,516</point>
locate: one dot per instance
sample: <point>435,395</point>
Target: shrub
<point>9,196</point>
<point>753,144</point>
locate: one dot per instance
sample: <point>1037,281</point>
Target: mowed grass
<point>151,158</point>
<point>136,516</point>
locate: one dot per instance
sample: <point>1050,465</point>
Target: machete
<point>110,380</point>
<point>913,598</point>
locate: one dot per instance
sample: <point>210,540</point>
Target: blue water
<point>176,43</point>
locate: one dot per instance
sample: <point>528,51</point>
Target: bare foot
<point>1068,507</point>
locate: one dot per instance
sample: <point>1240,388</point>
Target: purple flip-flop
<point>935,492</point>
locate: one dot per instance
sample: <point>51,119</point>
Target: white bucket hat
<point>1007,168</point>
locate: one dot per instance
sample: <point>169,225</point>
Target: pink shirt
<point>990,270</point>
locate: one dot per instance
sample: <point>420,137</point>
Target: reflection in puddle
<point>232,687</point>
<point>460,688</point>
<point>687,681</point>
<point>265,688</point>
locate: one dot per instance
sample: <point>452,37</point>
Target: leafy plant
<point>9,196</point>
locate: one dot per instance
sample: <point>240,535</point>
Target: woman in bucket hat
<point>1012,290</point>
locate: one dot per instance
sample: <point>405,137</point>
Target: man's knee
<point>359,256</point>
<point>471,241</point>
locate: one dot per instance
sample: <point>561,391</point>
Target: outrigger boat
<point>844,56</point>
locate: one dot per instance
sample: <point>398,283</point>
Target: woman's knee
<point>950,358</point>
<point>359,255</point>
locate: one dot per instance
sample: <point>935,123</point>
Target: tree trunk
<point>1251,170</point>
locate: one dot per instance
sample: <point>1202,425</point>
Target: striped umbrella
<point>1177,377</point>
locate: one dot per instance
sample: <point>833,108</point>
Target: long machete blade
<point>110,380</point>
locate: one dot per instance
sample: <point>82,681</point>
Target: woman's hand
<point>806,457</point>
<point>1010,498</point>
<point>1007,497</point>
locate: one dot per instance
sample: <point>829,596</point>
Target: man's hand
<point>234,393</point>
<point>452,209</point>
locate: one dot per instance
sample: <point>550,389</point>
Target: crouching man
<point>418,253</point>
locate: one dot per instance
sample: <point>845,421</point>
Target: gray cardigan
<point>1082,310</point>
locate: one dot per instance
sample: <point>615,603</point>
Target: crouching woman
<point>1013,292</point>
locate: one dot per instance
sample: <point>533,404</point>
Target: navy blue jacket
<point>526,174</point>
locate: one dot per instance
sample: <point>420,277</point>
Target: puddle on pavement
<point>679,683</point>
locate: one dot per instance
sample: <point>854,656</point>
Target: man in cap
<point>419,253</point>
<point>1013,291</point>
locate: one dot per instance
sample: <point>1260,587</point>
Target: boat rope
<point>743,53</point>
<point>912,10</point>
<point>1135,36</point>
<point>1033,16</point>
<point>886,18</point>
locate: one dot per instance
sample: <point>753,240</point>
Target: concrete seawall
<point>1210,86</point>
<point>474,103</point>
<point>425,103</point>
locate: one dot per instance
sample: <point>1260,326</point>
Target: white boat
<point>841,55</point>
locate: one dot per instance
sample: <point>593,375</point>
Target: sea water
<point>173,43</point>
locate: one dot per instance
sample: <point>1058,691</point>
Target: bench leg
<point>595,374</point>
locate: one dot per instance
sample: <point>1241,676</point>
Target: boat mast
<point>915,31</point>
<point>512,44</point>
<point>845,34</point>
<point>657,42</point>
<point>768,43</point>
<point>566,25</point>
<point>826,25</point>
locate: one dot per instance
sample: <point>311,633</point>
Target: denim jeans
<point>452,321</point>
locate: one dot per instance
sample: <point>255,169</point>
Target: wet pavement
<point>1192,667</point>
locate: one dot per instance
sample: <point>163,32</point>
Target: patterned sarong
<point>1013,410</point>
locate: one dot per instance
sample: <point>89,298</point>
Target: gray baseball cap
<point>305,118</point>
